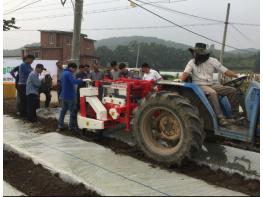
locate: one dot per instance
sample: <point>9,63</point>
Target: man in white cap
<point>201,67</point>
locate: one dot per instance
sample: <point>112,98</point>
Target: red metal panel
<point>82,103</point>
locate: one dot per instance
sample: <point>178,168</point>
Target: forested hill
<point>168,55</point>
<point>112,43</point>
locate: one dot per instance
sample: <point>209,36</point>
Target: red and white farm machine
<point>157,119</point>
<point>168,119</point>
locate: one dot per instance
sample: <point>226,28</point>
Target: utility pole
<point>75,50</point>
<point>224,37</point>
<point>224,40</point>
<point>138,54</point>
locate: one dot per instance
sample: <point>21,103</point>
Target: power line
<point>192,15</point>
<point>17,5</point>
<point>180,26</point>
<point>92,12</point>
<point>179,12</point>
<point>88,4</point>
<point>245,24</point>
<point>69,7</point>
<point>65,15</point>
<point>129,28</point>
<point>242,34</point>
<point>22,7</point>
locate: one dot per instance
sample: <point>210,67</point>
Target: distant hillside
<point>244,52</point>
<point>12,53</point>
<point>112,43</point>
<point>17,52</point>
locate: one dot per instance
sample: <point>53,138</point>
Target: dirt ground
<point>34,180</point>
<point>234,182</point>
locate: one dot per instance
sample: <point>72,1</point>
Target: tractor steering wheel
<point>236,83</point>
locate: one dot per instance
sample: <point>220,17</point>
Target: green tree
<point>105,54</point>
<point>257,64</point>
<point>9,24</point>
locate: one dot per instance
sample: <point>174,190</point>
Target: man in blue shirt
<point>24,70</point>
<point>68,97</point>
<point>32,92</point>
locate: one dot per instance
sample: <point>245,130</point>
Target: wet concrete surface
<point>216,156</point>
<point>99,168</point>
<point>9,190</point>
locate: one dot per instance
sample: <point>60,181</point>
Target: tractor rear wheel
<point>167,128</point>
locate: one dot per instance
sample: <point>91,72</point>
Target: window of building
<point>68,40</point>
<point>36,54</point>
<point>52,38</point>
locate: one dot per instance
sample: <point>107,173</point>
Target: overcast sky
<point>49,14</point>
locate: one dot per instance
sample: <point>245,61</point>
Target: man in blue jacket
<point>24,70</point>
<point>68,97</point>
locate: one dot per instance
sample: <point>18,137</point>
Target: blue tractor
<point>171,124</point>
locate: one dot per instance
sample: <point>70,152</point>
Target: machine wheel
<point>167,128</point>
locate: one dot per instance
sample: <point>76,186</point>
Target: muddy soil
<point>234,182</point>
<point>34,180</point>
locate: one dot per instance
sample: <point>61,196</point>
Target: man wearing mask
<point>68,97</point>
<point>202,67</point>
<point>24,71</point>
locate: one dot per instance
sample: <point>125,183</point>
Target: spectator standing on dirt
<point>150,74</point>
<point>24,71</point>
<point>96,74</point>
<point>201,67</point>
<point>15,74</point>
<point>59,73</point>
<point>124,72</point>
<point>107,72</point>
<point>87,70</point>
<point>68,97</point>
<point>115,72</point>
<point>46,87</point>
<point>32,92</point>
<point>82,74</point>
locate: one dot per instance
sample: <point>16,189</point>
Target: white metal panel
<point>89,123</point>
<point>90,91</point>
<point>98,107</point>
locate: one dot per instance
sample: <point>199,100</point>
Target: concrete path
<point>99,168</point>
<point>226,158</point>
<point>9,190</point>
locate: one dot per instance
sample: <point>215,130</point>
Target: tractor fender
<point>180,87</point>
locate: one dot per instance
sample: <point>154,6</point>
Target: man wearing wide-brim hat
<point>201,67</point>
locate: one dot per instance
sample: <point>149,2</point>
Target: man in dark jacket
<point>68,97</point>
<point>24,70</point>
<point>82,74</point>
<point>59,65</point>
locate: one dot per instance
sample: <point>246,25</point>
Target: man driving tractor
<point>201,67</point>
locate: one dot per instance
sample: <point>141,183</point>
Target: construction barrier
<point>9,90</point>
